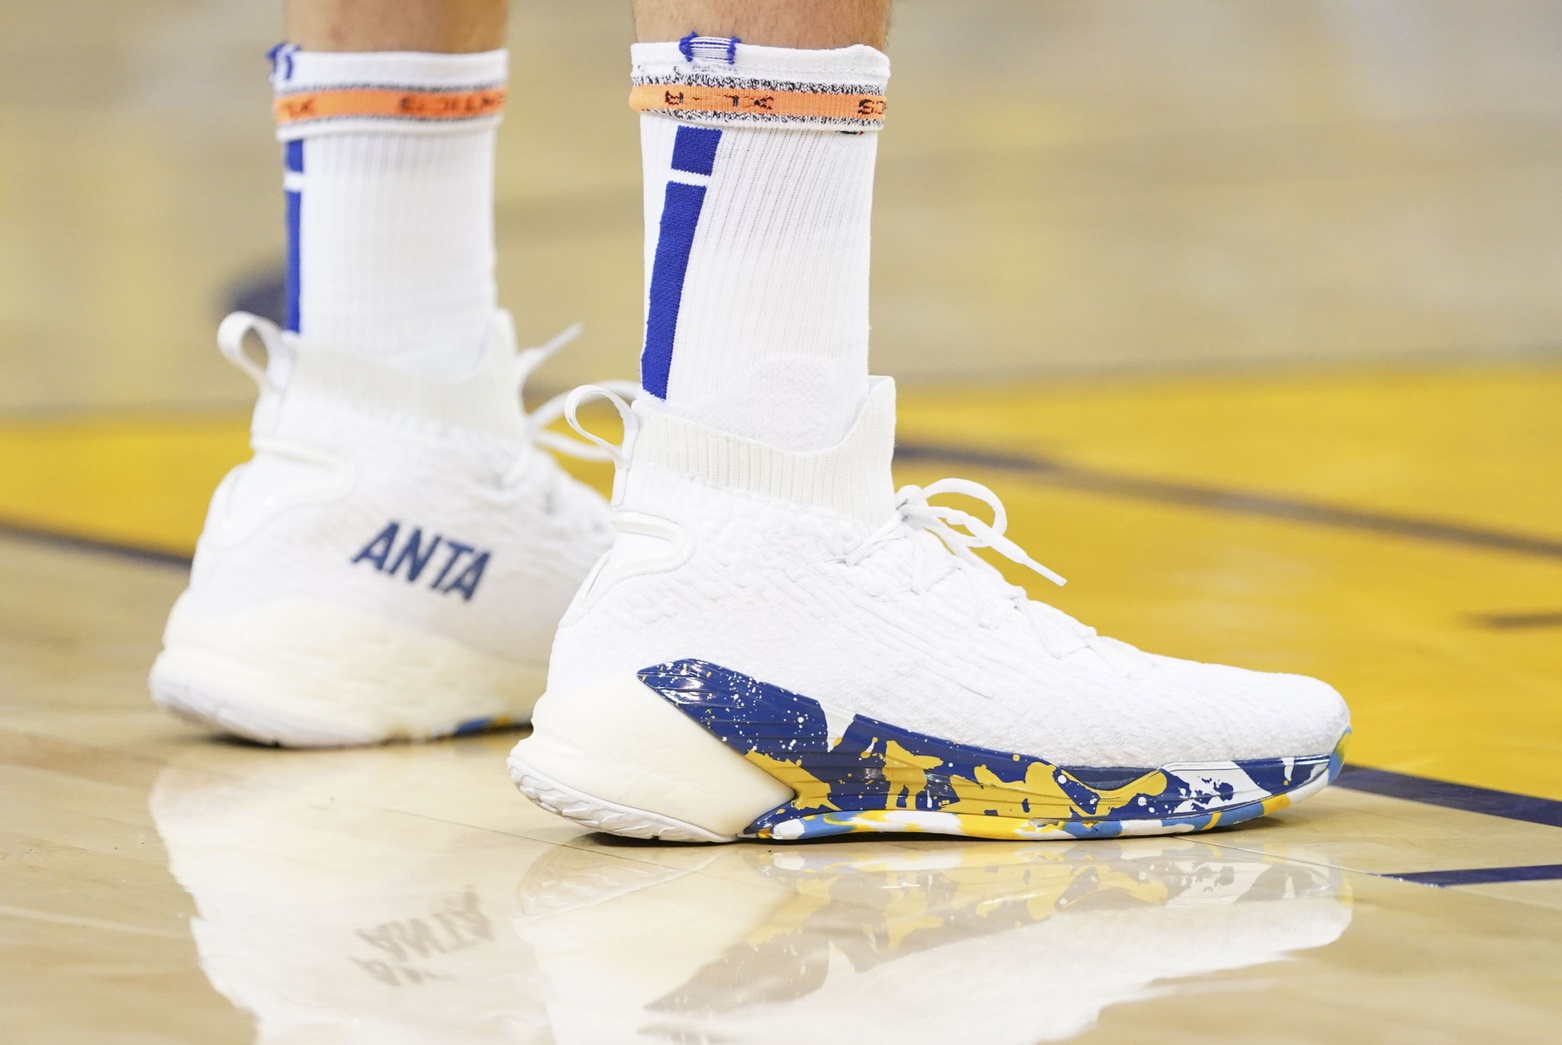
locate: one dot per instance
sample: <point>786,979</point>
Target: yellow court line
<point>141,481</point>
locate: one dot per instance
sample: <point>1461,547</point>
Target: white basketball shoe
<point>392,562</point>
<point>781,646</point>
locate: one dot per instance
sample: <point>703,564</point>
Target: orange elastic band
<point>748,101</point>
<point>389,102</point>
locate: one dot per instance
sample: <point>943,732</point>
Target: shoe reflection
<point>905,942</point>
<point>331,916</point>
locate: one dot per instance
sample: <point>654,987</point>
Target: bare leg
<point>445,26</point>
<point>773,23</point>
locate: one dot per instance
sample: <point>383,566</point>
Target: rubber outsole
<point>615,818</point>
<point>304,673</point>
<point>222,713</point>
<point>218,714</point>
<point>601,815</point>
<point>692,750</point>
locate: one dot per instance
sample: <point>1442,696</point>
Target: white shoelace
<point>1060,633</point>
<point>913,511</point>
<point>562,405</point>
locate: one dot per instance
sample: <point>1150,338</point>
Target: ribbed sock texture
<point>757,234</point>
<point>391,156</point>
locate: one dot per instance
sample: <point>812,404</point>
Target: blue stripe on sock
<point>694,149</point>
<point>680,215</point>
<point>293,158</point>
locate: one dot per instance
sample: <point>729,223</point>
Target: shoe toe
<point>1308,716</point>
<point>1233,714</point>
<point>1283,716</point>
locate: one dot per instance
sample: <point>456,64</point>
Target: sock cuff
<point>853,477</point>
<point>721,81</point>
<point>326,92</point>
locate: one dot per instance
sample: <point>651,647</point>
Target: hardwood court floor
<point>1398,533</point>
<point>1301,191</point>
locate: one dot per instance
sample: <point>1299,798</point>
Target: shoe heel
<point>307,674</point>
<point>615,756</point>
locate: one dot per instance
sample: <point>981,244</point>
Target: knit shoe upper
<point>393,560</point>
<point>870,672</point>
<point>809,572</point>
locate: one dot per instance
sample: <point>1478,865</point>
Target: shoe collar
<point>852,478</point>
<point>297,371</point>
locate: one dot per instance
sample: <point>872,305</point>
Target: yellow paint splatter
<point>812,793</point>
<point>1275,803</point>
<point>907,775</point>
<point>1040,795</point>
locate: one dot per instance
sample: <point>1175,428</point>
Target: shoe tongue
<point>853,477</point>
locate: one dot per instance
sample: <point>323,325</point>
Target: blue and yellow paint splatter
<point>876,776</point>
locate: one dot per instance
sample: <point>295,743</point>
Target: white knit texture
<point>852,478</point>
<point>396,223</point>
<point>390,564</point>
<point>486,401</point>
<point>779,589</point>
<point>339,457</point>
<point>772,324</point>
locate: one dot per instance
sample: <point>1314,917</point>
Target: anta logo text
<point>436,562</point>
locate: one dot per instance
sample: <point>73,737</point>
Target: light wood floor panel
<point>1542,894</point>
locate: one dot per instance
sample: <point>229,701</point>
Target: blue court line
<point>1505,804</point>
<point>1546,619</point>
<point>1235,502</point>
<point>78,543</point>
<point>1482,875</point>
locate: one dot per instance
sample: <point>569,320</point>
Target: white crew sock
<point>758,197</point>
<point>389,163</point>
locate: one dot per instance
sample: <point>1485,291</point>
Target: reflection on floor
<point>322,917</point>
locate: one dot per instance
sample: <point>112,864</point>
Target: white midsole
<point>619,741</point>
<point>327,671</point>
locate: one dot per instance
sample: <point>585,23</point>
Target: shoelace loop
<point>605,450</point>
<point>1061,633</point>
<point>566,403</point>
<point>231,333</point>
<point>913,510</point>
